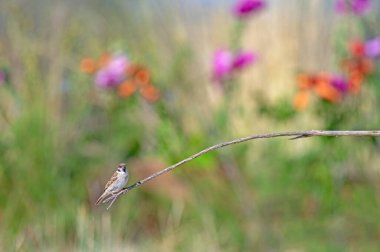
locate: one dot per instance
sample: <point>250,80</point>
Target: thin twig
<point>294,135</point>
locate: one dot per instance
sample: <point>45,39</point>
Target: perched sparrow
<point>118,180</point>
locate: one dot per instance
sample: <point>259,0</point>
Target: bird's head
<point>122,168</point>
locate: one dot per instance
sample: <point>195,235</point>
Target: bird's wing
<point>111,181</point>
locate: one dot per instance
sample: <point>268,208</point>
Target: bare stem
<point>293,135</point>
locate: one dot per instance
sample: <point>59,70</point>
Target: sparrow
<point>116,183</point>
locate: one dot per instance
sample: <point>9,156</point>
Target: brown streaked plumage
<point>118,180</point>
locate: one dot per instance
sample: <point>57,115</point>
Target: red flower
<point>357,48</point>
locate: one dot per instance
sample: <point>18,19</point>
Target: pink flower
<point>225,63</point>
<point>244,59</point>
<point>358,7</point>
<point>222,64</point>
<point>372,47</point>
<point>113,73</point>
<point>244,8</point>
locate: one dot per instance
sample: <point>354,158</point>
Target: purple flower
<point>222,64</point>
<point>113,73</point>
<point>244,59</point>
<point>372,47</point>
<point>340,83</point>
<point>244,8</point>
<point>358,7</point>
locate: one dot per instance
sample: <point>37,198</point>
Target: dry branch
<point>293,135</point>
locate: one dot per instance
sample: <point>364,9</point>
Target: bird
<point>116,183</point>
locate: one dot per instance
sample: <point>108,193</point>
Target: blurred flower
<point>358,7</point>
<point>301,100</point>
<point>362,65</point>
<point>356,48</point>
<point>326,90</point>
<point>150,93</point>
<point>222,64</point>
<point>355,82</point>
<point>340,83</point>
<point>88,65</point>
<point>113,72</point>
<point>225,63</point>
<point>244,8</point>
<point>328,87</point>
<point>357,69</point>
<point>372,47</point>
<point>127,88</point>
<point>309,81</point>
<point>243,60</point>
<point>139,79</point>
<point>106,79</point>
<point>142,76</point>
<point>117,73</point>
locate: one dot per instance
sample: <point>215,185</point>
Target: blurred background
<point>85,85</point>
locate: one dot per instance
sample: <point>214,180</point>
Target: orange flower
<point>357,69</point>
<point>327,92</point>
<point>139,73</point>
<point>88,65</point>
<point>355,81</point>
<point>301,100</point>
<point>127,88</point>
<point>150,93</point>
<point>367,65</point>
<point>362,65</point>
<point>143,76</point>
<point>306,81</point>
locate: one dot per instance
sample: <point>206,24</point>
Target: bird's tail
<point>101,198</point>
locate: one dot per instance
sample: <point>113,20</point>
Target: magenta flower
<point>225,63</point>
<point>340,83</point>
<point>372,47</point>
<point>222,64</point>
<point>113,73</point>
<point>244,59</point>
<point>244,8</point>
<point>358,7</point>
